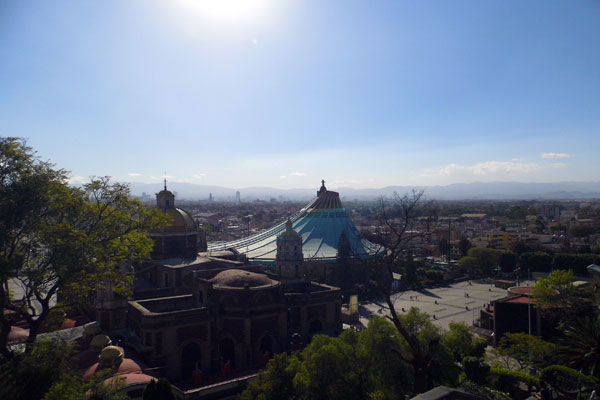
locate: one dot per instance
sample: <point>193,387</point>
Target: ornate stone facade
<point>235,320</point>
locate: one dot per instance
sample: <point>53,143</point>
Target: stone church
<point>213,314</point>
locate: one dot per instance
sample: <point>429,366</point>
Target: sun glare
<point>227,10</point>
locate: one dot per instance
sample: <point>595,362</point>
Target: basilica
<point>198,314</point>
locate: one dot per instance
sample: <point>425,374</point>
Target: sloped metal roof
<point>320,224</point>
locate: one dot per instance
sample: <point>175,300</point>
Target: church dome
<point>237,278</point>
<point>110,355</point>
<point>180,220</point>
<point>179,237</point>
<point>99,342</point>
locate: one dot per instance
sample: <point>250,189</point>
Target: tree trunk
<point>420,384</point>
<point>5,326</point>
<point>35,325</point>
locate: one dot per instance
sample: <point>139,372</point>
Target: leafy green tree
<point>372,364</point>
<point>444,246</point>
<point>579,347</point>
<point>46,372</point>
<point>559,299</point>
<point>480,261</point>
<point>276,381</point>
<point>581,231</point>
<point>104,385</point>
<point>508,261</point>
<point>469,265</point>
<point>405,220</point>
<point>441,369</point>
<point>56,238</point>
<point>475,369</point>
<point>434,275</point>
<point>535,261</point>
<point>566,381</point>
<point>463,246</point>
<point>519,247</point>
<point>328,370</point>
<point>520,351</point>
<point>30,375</point>
<point>459,340</point>
<point>576,262</point>
<point>508,380</point>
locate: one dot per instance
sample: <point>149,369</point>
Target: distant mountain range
<point>455,191</point>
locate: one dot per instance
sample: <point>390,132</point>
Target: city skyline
<point>276,94</point>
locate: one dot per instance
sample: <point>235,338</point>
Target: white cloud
<point>292,174</point>
<point>485,168</point>
<point>559,165</point>
<point>198,176</point>
<point>77,180</point>
<point>134,174</point>
<point>555,155</point>
<point>160,178</point>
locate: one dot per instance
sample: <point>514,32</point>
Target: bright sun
<point>226,10</point>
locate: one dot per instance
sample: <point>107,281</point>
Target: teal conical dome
<point>320,224</point>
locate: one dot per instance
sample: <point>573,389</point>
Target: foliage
<point>434,275</point>
<point>104,385</point>
<point>486,258</point>
<point>469,265</point>
<point>405,220</point>
<point>565,379</point>
<point>158,390</point>
<point>475,369</point>
<point>459,341</point>
<point>504,379</point>
<point>576,262</point>
<point>537,261</point>
<point>581,231</point>
<point>30,375</point>
<point>444,246</point>
<point>374,363</point>
<point>54,237</point>
<point>276,381</point>
<point>560,299</point>
<point>508,261</point>
<point>480,261</point>
<point>463,246</point>
<point>525,350</point>
<point>519,247</point>
<point>579,348</point>
<point>45,372</point>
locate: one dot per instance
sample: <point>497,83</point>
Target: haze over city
<point>282,94</point>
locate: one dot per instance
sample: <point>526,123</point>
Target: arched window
<point>191,359</point>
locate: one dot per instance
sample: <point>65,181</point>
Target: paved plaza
<point>459,302</point>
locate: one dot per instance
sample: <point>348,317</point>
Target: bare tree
<point>404,221</point>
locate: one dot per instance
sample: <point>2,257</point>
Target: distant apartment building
<point>502,240</point>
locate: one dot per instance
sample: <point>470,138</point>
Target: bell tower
<point>289,259</point>
<point>165,200</point>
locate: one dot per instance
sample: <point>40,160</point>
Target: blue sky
<point>285,93</point>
